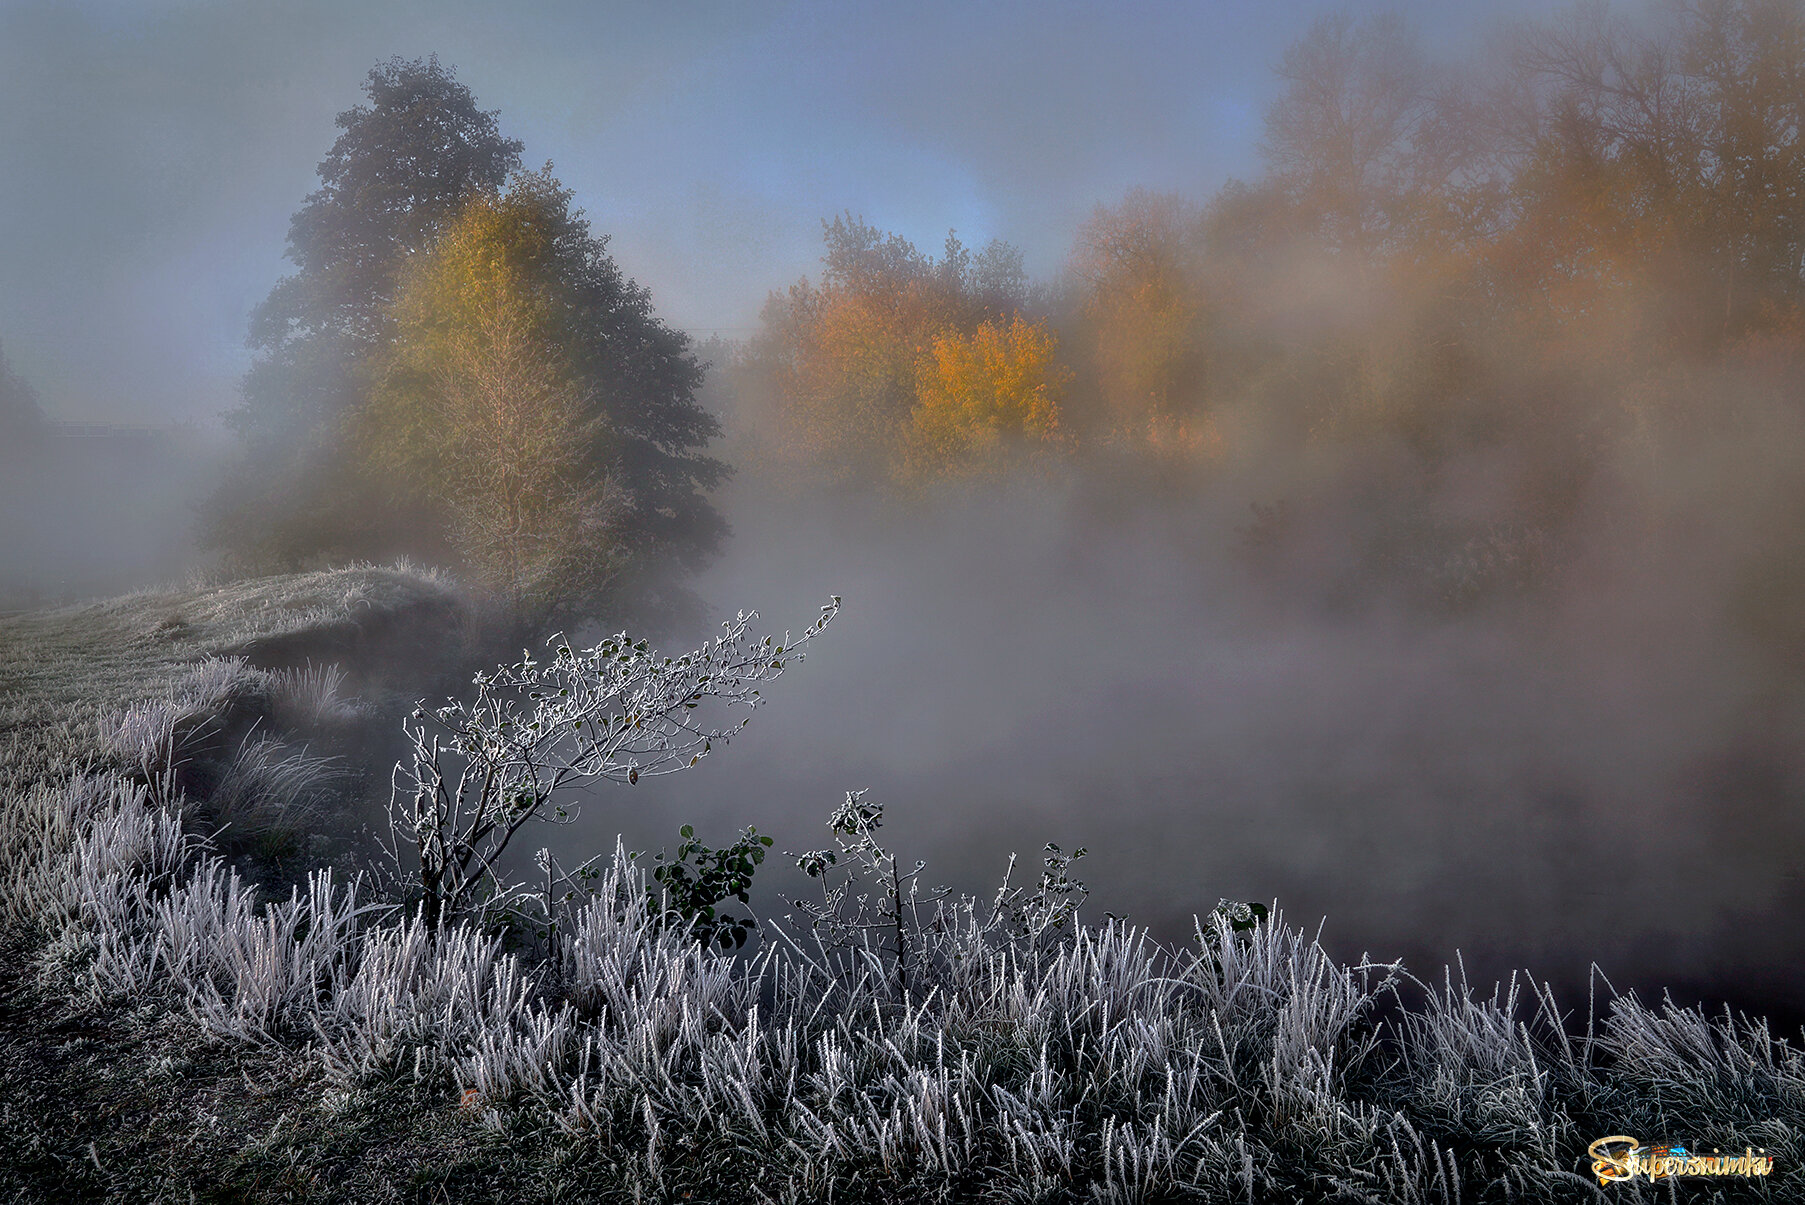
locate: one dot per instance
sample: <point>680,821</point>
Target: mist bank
<point>1418,536</point>
<point>1602,768</point>
<point>93,509</point>
<point>1414,535</point>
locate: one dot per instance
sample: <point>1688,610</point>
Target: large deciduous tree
<point>1346,137</point>
<point>1143,311</point>
<point>479,410</point>
<point>403,166</point>
<point>418,166</point>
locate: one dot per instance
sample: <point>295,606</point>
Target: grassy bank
<point>68,674</point>
<point>191,1013</point>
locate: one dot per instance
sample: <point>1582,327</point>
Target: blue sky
<point>151,153</point>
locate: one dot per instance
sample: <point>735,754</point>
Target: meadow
<point>206,1002</point>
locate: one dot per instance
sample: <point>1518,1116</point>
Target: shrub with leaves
<point>1030,914</point>
<point>845,914</point>
<point>686,893</point>
<point>1249,1065</point>
<point>1242,917</point>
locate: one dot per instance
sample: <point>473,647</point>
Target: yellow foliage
<point>984,394</point>
<point>836,369</point>
<point>1145,319</point>
<point>477,408</point>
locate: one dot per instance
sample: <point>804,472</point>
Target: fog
<point>156,150</point>
<point>90,511</point>
<point>1462,620</point>
<point>1603,775</point>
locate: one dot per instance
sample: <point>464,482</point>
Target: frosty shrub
<point>847,915</point>
<point>483,770</point>
<point>691,883</point>
<point>1090,1064</point>
<point>884,1044</point>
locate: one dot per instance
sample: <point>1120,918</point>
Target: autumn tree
<point>529,399</point>
<point>414,163</point>
<point>479,410</point>
<point>402,168</point>
<point>1351,139</point>
<point>985,397</point>
<point>834,367</point>
<point>1665,167</point>
<point>1749,57</point>
<point>1144,316</point>
<point>1585,239</point>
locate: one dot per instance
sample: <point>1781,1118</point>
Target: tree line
<point>1588,238</point>
<point>1583,243</point>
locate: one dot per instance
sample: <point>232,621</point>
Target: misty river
<point>1596,774</point>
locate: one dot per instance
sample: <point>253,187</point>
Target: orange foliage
<point>985,395</point>
<point>836,368</point>
<point>1545,251</point>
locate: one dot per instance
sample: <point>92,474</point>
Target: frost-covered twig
<point>482,770</point>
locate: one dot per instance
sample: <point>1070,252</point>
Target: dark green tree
<point>403,166</point>
<point>643,376</point>
<point>406,166</point>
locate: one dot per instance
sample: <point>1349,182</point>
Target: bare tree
<point>482,770</point>
<point>1343,136</point>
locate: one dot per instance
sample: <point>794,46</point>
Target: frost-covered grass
<point>1012,1063</point>
<point>1246,1066</point>
<point>270,789</point>
<point>66,674</point>
<point>314,696</point>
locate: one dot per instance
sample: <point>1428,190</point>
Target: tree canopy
<point>417,177</point>
<point>846,370</point>
<point>554,458</point>
<point>1573,256</point>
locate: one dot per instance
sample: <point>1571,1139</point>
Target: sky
<point>151,153</point>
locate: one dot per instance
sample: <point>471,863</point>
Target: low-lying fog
<point>94,510</point>
<point>1598,772</point>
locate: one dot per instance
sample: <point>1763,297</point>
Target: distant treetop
<point>19,411</point>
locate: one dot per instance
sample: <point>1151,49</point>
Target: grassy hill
<point>99,1102</point>
<point>67,672</point>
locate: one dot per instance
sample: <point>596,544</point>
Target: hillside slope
<point>65,671</point>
